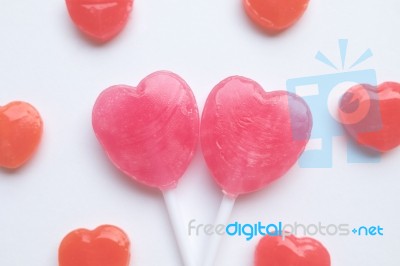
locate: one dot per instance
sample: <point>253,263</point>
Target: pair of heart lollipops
<point>103,20</point>
<point>248,137</point>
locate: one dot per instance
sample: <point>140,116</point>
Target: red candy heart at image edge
<point>250,137</point>
<point>104,246</point>
<point>371,115</point>
<point>21,129</point>
<point>290,251</point>
<point>101,20</point>
<point>149,132</point>
<point>275,15</point>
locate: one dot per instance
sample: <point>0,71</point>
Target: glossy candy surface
<point>371,115</point>
<point>149,132</point>
<point>21,129</point>
<point>275,15</point>
<point>107,245</point>
<point>100,20</point>
<point>292,251</point>
<point>249,137</point>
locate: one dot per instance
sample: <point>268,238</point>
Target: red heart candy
<point>21,129</point>
<point>371,115</point>
<point>101,20</point>
<point>275,15</point>
<point>107,245</point>
<point>291,251</point>
<point>249,137</point>
<point>149,132</point>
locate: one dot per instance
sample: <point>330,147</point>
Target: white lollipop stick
<point>224,213</point>
<point>178,227</point>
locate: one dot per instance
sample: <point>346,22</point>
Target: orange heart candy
<point>21,129</point>
<point>107,245</point>
<point>275,16</point>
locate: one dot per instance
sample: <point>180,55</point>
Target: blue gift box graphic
<point>316,90</point>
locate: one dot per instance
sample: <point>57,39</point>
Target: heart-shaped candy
<point>249,137</point>
<point>291,251</point>
<point>275,15</point>
<point>21,129</point>
<point>107,245</point>
<point>371,115</point>
<point>149,132</point>
<point>101,20</point>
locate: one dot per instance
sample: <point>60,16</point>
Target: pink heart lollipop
<point>250,138</point>
<point>150,133</point>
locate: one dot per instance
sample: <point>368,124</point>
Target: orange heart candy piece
<point>275,16</point>
<point>101,20</point>
<point>106,245</point>
<point>21,129</point>
<point>291,251</point>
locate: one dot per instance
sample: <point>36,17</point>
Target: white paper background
<point>71,184</point>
